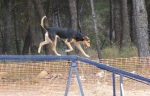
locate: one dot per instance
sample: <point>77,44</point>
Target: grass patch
<point>114,52</point>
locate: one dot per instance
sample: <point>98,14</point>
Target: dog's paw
<point>38,51</point>
<point>87,56</point>
<point>68,50</point>
<point>58,54</point>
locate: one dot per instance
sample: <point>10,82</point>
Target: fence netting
<point>25,78</point>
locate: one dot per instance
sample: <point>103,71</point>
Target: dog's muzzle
<point>85,46</point>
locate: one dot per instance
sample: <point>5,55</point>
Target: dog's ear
<point>86,38</point>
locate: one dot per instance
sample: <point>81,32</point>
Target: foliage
<point>102,15</point>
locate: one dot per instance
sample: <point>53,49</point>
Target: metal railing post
<point>121,85</point>
<point>114,84</point>
<point>73,67</point>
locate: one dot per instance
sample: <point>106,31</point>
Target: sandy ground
<point>55,85</point>
<point>102,90</point>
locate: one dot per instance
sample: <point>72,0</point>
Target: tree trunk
<point>73,12</point>
<point>27,43</point>
<point>41,13</point>
<point>58,18</point>
<point>96,30</point>
<point>73,21</point>
<point>117,21</point>
<point>27,39</point>
<point>17,38</point>
<point>132,32</point>
<point>111,22</point>
<point>33,46</point>
<point>125,40</point>
<point>141,27</point>
<point>79,11</point>
<point>7,30</point>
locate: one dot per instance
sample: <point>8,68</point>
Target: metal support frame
<point>73,67</point>
<point>114,71</point>
<point>121,85</point>
<point>114,84</point>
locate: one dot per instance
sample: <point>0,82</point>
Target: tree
<point>41,13</point>
<point>17,37</point>
<point>27,43</point>
<point>141,27</point>
<point>30,39</point>
<point>33,44</point>
<point>125,33</point>
<point>73,14</point>
<point>117,21</point>
<point>131,17</point>
<point>7,29</point>
<point>96,30</point>
<point>111,21</point>
<point>73,24</point>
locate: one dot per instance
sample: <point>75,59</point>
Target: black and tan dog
<point>67,35</point>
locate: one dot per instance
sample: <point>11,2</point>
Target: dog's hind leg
<point>42,44</point>
<point>54,46</point>
<point>80,48</point>
<point>47,41</point>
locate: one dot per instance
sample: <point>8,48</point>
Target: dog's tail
<point>42,22</point>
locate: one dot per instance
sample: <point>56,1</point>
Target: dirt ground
<point>87,92</point>
<point>98,89</point>
<point>55,85</point>
<point>21,80</point>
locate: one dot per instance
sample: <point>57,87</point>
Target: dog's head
<point>86,41</point>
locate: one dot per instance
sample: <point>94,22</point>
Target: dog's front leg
<point>69,46</point>
<point>54,50</point>
<point>80,48</point>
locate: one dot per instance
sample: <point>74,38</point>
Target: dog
<point>67,35</point>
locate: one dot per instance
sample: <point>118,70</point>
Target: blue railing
<point>73,67</point>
